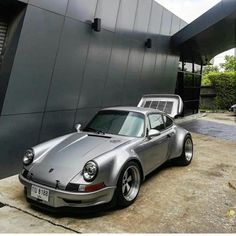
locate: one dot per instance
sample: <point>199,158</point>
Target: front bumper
<point>60,198</point>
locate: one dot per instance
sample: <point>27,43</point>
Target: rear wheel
<point>128,184</point>
<point>187,152</point>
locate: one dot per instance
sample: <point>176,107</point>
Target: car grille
<point>72,187</point>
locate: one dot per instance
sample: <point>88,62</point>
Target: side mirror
<point>78,127</point>
<point>153,133</point>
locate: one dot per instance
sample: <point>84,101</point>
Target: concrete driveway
<point>200,198</point>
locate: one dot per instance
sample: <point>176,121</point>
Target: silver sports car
<point>107,160</point>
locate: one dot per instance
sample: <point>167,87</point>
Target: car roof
<point>133,109</point>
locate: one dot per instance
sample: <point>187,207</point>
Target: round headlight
<point>90,171</point>
<point>28,157</point>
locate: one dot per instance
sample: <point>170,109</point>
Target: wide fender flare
<point>178,142</point>
<point>121,162</point>
<point>110,168</point>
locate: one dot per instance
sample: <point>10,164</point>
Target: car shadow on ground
<point>95,211</point>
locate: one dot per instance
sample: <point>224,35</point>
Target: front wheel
<point>187,152</point>
<point>128,184</point>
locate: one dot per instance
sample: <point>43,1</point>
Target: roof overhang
<point>210,34</point>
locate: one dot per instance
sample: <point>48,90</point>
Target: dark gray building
<point>55,70</point>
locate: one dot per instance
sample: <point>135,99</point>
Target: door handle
<point>170,135</point>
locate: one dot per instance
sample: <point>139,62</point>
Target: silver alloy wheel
<point>131,183</point>
<point>188,149</point>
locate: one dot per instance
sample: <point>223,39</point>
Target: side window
<point>156,122</point>
<point>168,121</point>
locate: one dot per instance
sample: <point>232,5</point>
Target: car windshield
<point>123,123</point>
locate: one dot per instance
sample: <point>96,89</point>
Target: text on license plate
<point>40,193</point>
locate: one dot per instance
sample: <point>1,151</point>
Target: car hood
<point>67,159</point>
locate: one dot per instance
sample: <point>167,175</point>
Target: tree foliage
<point>229,64</point>
<point>223,82</point>
<point>210,68</point>
<point>207,70</point>
<point>225,86</point>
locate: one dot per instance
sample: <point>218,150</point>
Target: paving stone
<point>15,221</point>
<point>214,129</point>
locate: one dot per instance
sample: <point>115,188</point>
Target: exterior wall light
<point>96,25</point>
<point>148,43</point>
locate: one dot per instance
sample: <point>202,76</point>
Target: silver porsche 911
<point>107,160</point>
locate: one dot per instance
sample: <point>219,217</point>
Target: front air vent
<point>72,187</point>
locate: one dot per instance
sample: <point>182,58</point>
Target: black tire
<point>130,177</point>
<point>187,152</point>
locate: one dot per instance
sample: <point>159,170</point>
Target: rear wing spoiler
<point>168,103</point>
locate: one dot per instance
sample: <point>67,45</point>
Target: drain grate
<point>1,205</point>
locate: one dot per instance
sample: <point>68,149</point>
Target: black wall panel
<point>69,68</point>
<point>126,16</point>
<point>56,124</point>
<point>166,23</point>
<point>108,20</point>
<point>149,62</point>
<point>132,92</point>
<point>171,71</point>
<point>142,16</point>
<point>182,24</point>
<point>135,60</point>
<point>119,58</point>
<point>10,44</point>
<point>82,10</point>
<point>57,6</point>
<point>17,133</point>
<point>96,69</point>
<point>112,93</point>
<point>64,72</point>
<point>162,51</point>
<point>155,19</point>
<point>34,61</point>
<point>116,73</point>
<point>175,24</point>
<point>83,116</point>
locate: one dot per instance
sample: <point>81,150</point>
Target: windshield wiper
<point>94,130</point>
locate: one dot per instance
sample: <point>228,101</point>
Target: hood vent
<point>97,135</point>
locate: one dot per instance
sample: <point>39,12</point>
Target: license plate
<point>40,193</point>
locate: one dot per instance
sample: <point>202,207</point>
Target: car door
<point>153,151</point>
<point>170,128</point>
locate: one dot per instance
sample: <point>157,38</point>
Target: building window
<point>188,86</point>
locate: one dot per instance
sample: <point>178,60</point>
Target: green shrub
<point>225,86</point>
<point>206,81</point>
